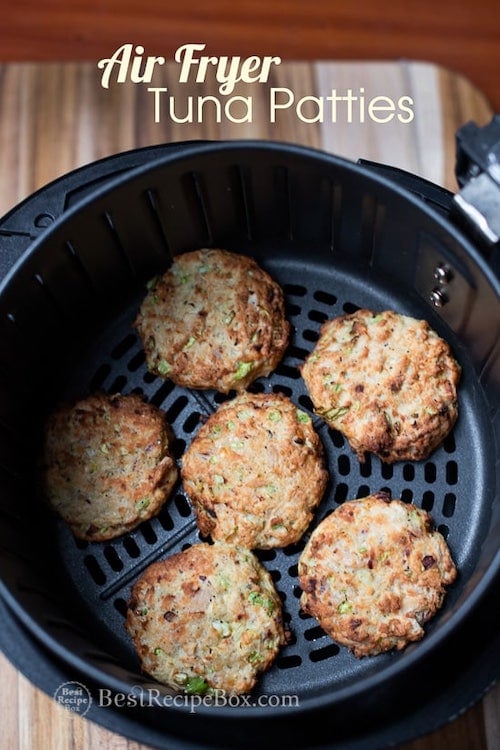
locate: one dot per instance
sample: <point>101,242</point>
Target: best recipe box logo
<point>77,698</point>
<point>130,64</point>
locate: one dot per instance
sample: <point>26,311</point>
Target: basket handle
<point>477,169</point>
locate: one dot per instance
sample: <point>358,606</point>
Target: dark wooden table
<point>461,35</point>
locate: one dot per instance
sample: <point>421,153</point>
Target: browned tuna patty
<point>106,464</point>
<point>255,472</point>
<point>214,320</point>
<point>388,382</point>
<point>206,618</point>
<point>373,572</point>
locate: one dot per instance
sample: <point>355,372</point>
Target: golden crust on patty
<point>388,382</point>
<point>215,319</point>
<point>206,618</point>
<point>373,572</point>
<point>255,472</point>
<point>106,464</point>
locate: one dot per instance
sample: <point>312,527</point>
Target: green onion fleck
<point>274,415</point>
<point>163,367</point>
<point>264,601</point>
<point>143,503</point>
<point>242,370</point>
<point>344,608</point>
<point>196,685</point>
<point>153,283</point>
<point>225,583</point>
<point>335,413</point>
<point>329,383</point>
<point>190,342</point>
<point>255,658</point>
<point>302,416</point>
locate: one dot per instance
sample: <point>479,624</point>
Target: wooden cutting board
<point>56,117</point>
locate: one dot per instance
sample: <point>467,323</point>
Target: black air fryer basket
<point>337,236</point>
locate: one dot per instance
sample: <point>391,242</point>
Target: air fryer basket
<point>337,236</point>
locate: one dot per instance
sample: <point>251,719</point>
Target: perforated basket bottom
<point>102,573</point>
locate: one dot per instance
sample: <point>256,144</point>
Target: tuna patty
<point>206,618</point>
<point>388,382</point>
<point>106,464</point>
<point>215,319</point>
<point>255,472</point>
<point>373,572</point>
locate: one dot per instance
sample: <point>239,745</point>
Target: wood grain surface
<point>460,35</point>
<point>57,116</point>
